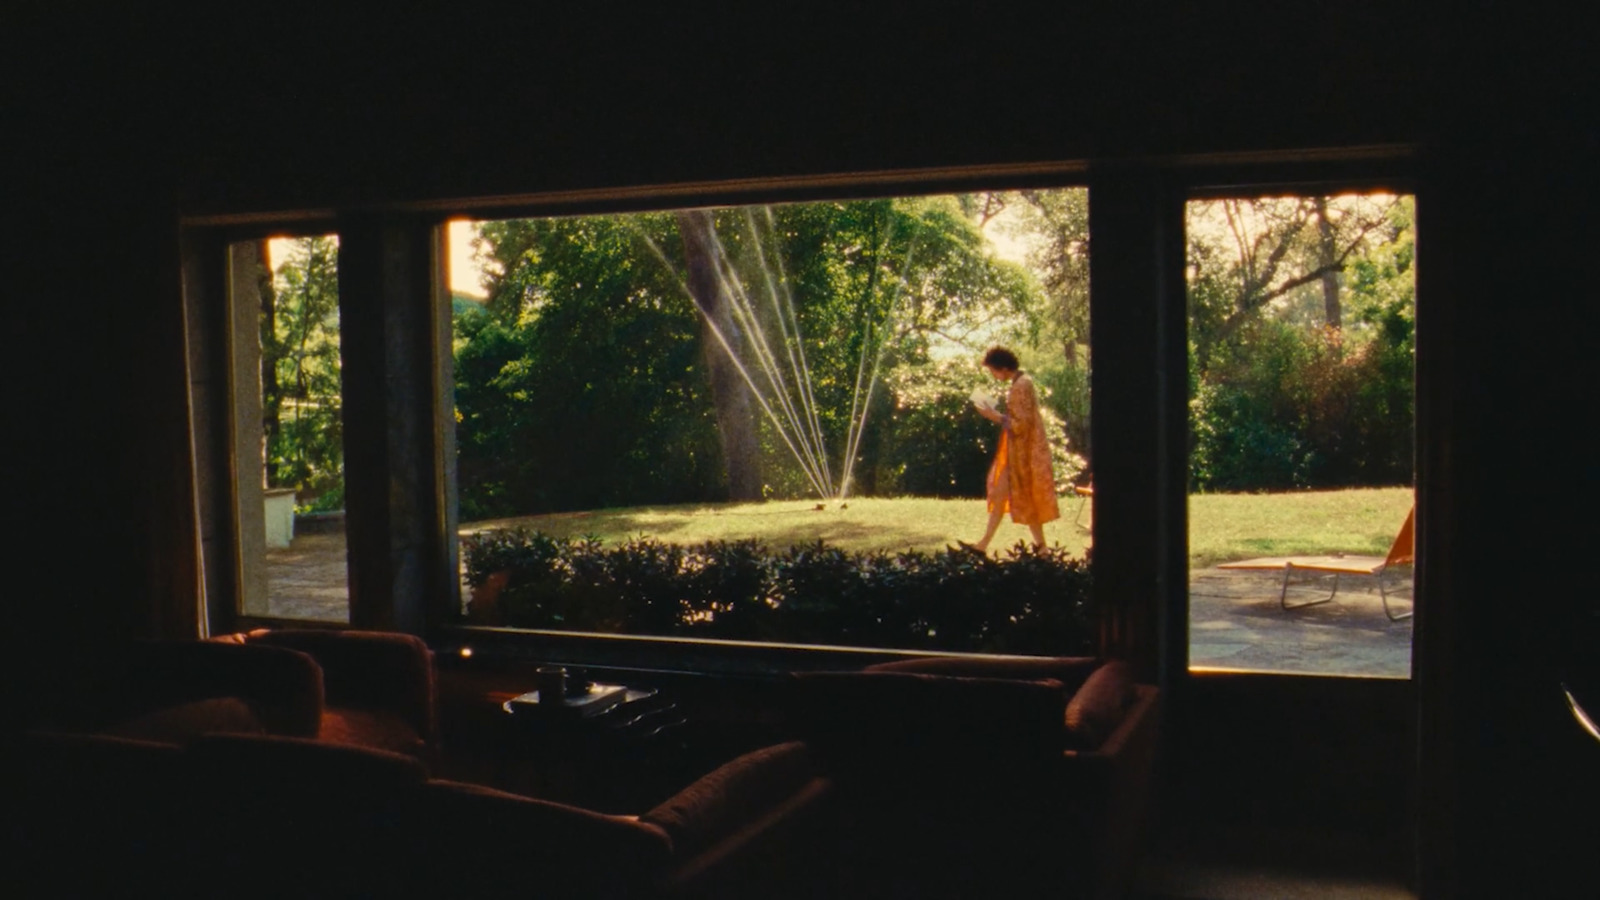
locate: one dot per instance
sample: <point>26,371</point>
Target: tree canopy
<point>587,379</point>
<point>301,400</point>
<point>785,350</point>
<point>1302,343</point>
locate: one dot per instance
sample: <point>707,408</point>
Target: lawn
<point>1225,527</point>
<point>1222,526</point>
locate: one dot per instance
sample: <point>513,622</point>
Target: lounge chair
<point>1084,493</point>
<point>1401,553</point>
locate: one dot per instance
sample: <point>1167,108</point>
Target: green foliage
<point>300,342</point>
<point>1064,390</point>
<point>1280,399</point>
<point>582,386</point>
<point>1294,409</point>
<point>585,384</point>
<point>1057,224</point>
<point>1029,601</point>
<point>936,445</point>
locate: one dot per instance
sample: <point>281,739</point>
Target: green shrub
<point>937,445</point>
<point>1033,601</point>
<point>1286,407</point>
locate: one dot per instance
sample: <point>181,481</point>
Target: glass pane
<point>762,422</point>
<point>1301,340</point>
<point>289,428</point>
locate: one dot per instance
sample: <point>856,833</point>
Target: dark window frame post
<point>395,370</point>
<point>1139,421</point>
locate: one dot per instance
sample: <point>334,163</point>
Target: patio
<point>1235,622</point>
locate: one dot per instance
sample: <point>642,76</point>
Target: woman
<point>1020,479</point>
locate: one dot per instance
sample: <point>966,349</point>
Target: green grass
<point>1222,526</point>
<point>864,523</point>
<point>1225,527</point>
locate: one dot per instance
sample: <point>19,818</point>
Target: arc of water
<point>744,310</point>
<point>722,339</point>
<point>789,322</point>
<point>853,442</point>
<point>861,366</point>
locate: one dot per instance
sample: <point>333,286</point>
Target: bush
<point>938,446</point>
<point>1290,408</point>
<point>1029,601</point>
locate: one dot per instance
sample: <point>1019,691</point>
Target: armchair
<point>979,777</point>
<point>379,688</point>
<point>174,690</point>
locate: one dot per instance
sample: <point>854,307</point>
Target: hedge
<point>1027,601</point>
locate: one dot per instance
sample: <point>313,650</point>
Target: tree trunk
<point>1327,260</point>
<point>271,394</point>
<point>736,414</point>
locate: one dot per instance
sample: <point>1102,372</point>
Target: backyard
<point>1235,618</point>
<point>768,422</point>
<point>1222,527</point>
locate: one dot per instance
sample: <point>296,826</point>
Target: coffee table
<point>598,749</point>
<point>594,700</point>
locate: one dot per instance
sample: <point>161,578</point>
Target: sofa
<point>173,690</point>
<point>236,814</point>
<point>977,777</point>
<point>379,688</point>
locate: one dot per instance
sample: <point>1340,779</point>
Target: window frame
<point>1140,561</point>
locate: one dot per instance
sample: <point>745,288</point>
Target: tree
<point>708,285</point>
<point>594,331</point>
<point>1053,226</point>
<point>303,393</point>
<point>1248,254</point>
<point>1302,342</point>
<point>580,386</point>
<point>271,392</point>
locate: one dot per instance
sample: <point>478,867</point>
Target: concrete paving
<point>1235,622</point>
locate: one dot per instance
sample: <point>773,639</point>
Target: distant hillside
<point>465,305</point>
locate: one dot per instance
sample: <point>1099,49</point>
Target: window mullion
<point>1138,421</point>
<point>388,295</point>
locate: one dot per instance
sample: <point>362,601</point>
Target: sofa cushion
<point>371,728</point>
<point>284,686</point>
<point>303,765</point>
<point>507,845</point>
<point>366,669</point>
<point>182,722</point>
<point>732,796</point>
<point>88,815</point>
<point>1098,707</point>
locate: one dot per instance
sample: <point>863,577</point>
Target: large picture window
<point>768,422</point>
<point>760,422</point>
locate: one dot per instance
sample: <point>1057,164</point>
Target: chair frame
<point>1401,553</point>
<point>1377,572</point>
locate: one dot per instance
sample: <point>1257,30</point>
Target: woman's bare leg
<point>1038,534</point>
<point>988,533</point>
